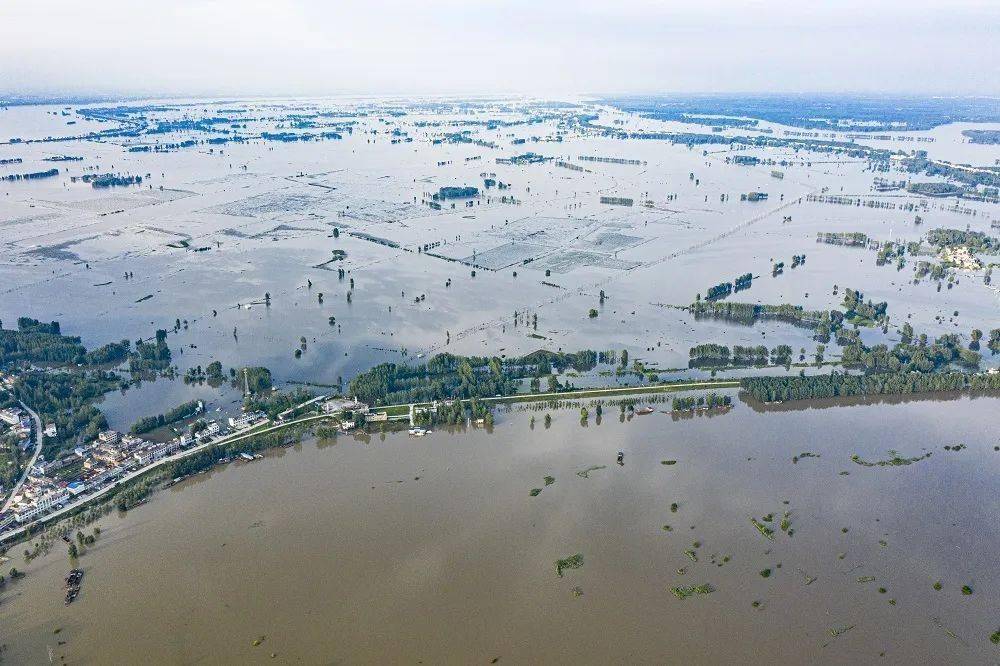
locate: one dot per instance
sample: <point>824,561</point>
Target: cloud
<point>537,46</point>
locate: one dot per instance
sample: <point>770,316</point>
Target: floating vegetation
<point>966,590</point>
<point>955,447</point>
<point>535,492</point>
<point>549,480</point>
<point>762,528</point>
<point>673,507</point>
<point>882,590</point>
<point>995,637</point>
<point>895,460</point>
<point>577,591</point>
<point>883,543</point>
<point>572,562</point>
<point>841,631</point>
<point>685,592</point>
<point>692,555</point>
<point>668,528</point>
<point>806,454</point>
<point>937,586</point>
<point>585,473</point>
<point>808,579</point>
<point>865,579</point>
<point>668,462</point>
<point>765,573</point>
<point>786,523</point>
<point>756,604</point>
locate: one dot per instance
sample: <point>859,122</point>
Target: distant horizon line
<point>40,99</point>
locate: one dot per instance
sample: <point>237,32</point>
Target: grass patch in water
<point>894,461</point>
<point>763,529</point>
<point>535,491</point>
<point>765,573</point>
<point>549,480</point>
<point>966,590</point>
<point>572,562</point>
<point>685,592</point>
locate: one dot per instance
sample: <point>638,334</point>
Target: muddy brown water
<point>335,552</point>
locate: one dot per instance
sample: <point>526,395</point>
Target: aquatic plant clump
<point>572,562</point>
<point>894,461</point>
<point>763,529</point>
<point>685,592</point>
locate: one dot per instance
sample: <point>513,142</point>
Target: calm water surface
<point>404,550</point>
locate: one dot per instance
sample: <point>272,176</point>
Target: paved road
<point>34,457</point>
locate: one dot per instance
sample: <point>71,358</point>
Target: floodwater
<point>431,550</point>
<point>259,217</point>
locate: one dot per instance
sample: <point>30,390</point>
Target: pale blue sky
<point>522,46</point>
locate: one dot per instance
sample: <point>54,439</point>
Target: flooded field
<point>435,550</point>
<point>226,213</point>
<point>318,238</point>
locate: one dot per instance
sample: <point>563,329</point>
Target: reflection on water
<point>827,403</point>
<point>392,549</point>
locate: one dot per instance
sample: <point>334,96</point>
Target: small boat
<point>644,410</point>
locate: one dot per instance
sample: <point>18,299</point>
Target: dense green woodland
<point>67,400</point>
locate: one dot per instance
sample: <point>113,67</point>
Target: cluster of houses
<point>350,410</point>
<point>18,421</point>
<point>51,483</point>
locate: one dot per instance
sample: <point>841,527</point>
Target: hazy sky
<point>275,47</point>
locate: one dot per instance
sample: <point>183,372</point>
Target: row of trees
<point>774,389</point>
<point>179,413</point>
<point>710,401</point>
<point>451,376</point>
<point>713,355</point>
